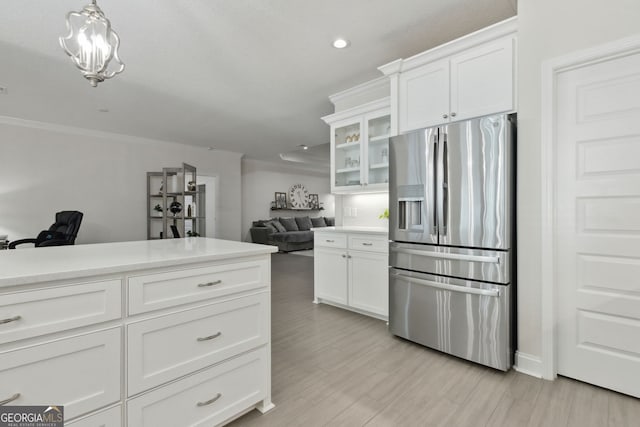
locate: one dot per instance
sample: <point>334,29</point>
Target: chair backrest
<point>67,223</point>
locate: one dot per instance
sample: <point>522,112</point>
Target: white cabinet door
<point>424,96</point>
<point>368,282</point>
<point>598,223</point>
<point>482,80</point>
<point>81,373</point>
<point>347,139</point>
<point>330,274</point>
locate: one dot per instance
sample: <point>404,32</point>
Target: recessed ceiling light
<point>103,110</point>
<point>304,147</point>
<point>3,90</point>
<point>340,43</point>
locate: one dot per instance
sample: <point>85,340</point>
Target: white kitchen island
<point>153,333</point>
<point>351,268</point>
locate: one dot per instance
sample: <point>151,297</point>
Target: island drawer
<point>330,240</point>
<point>42,311</point>
<point>82,373</point>
<point>205,399</point>
<point>168,347</point>
<point>168,289</point>
<point>110,418</point>
<point>371,243</point>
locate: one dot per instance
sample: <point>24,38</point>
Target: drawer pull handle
<point>9,320</point>
<point>206,285</point>
<point>329,241</point>
<point>367,244</point>
<point>9,400</point>
<point>210,401</point>
<point>210,337</point>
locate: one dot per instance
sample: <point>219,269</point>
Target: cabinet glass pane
<point>378,159</point>
<point>347,155</point>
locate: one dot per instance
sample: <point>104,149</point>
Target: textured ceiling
<point>250,76</point>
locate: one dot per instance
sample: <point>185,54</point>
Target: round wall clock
<point>298,196</point>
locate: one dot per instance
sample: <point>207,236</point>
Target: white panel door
<point>330,274</point>
<point>369,282</point>
<point>598,224</point>
<point>482,80</point>
<point>424,96</point>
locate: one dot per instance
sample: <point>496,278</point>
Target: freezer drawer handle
<point>455,288</point>
<point>456,257</point>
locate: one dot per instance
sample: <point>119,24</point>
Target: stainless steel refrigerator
<point>452,232</point>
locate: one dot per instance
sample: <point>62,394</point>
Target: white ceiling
<point>250,76</point>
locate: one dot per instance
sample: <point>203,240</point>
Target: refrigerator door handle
<point>434,219</point>
<point>443,191</point>
<point>447,287</point>
<point>456,257</point>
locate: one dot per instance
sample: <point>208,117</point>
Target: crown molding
<point>371,85</point>
<point>360,109</point>
<point>498,30</point>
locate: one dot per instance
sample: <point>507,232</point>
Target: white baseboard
<point>528,364</point>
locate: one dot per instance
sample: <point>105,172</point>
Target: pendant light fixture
<point>92,44</point>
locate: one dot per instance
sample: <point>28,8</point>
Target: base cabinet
<point>366,290</point>
<point>353,275</point>
<point>197,354</point>
<point>208,398</point>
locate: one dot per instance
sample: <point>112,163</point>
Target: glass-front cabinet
<point>360,148</point>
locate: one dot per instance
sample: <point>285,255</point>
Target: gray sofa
<point>288,234</point>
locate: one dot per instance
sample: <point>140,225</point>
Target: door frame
<point>550,70</point>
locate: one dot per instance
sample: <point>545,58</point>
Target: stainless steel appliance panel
<point>464,318</point>
<point>412,197</point>
<point>473,264</point>
<point>474,185</point>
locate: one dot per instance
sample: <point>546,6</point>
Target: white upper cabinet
<point>360,148</point>
<point>469,77</point>
<point>482,80</point>
<point>424,96</point>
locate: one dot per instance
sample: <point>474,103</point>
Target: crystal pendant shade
<point>92,44</point>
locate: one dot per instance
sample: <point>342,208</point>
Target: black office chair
<point>62,232</point>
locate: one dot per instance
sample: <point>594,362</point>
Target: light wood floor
<point>337,368</point>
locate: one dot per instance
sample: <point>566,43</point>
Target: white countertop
<point>353,229</point>
<point>35,265</point>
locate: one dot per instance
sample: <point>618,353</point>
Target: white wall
<point>260,180</point>
<point>362,210</point>
<point>46,169</point>
<point>547,29</point>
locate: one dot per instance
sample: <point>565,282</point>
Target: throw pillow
<point>304,223</point>
<point>272,228</point>
<point>318,222</point>
<point>330,221</point>
<point>278,226</point>
<point>289,224</point>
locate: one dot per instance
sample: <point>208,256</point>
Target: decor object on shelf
<point>298,196</point>
<point>314,201</point>
<point>157,208</point>
<point>4,242</point>
<point>62,232</point>
<point>384,214</point>
<point>175,208</point>
<point>192,234</point>
<point>92,44</point>
<point>191,186</point>
<point>281,200</point>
